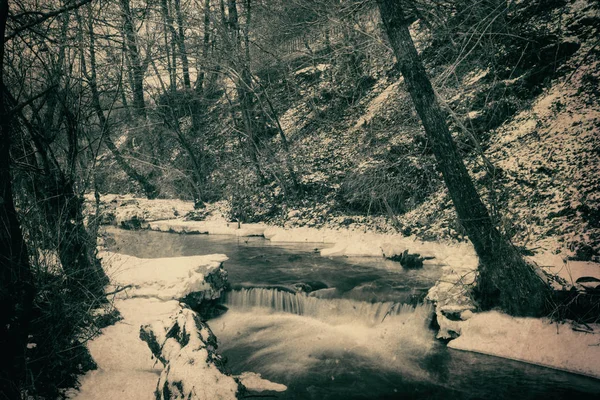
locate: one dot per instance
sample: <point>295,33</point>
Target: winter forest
<point>299,199</point>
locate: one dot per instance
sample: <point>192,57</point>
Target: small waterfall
<point>329,310</point>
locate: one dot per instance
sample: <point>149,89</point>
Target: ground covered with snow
<point>538,341</point>
<point>147,293</point>
<point>126,369</point>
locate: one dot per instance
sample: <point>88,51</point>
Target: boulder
<point>193,370</point>
<point>409,261</point>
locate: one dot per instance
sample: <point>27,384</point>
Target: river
<point>344,328</point>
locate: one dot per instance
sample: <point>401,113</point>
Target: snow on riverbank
<point>163,278</point>
<point>369,244</point>
<point>564,346</point>
<point>126,369</point>
<point>127,211</point>
<point>148,294</point>
<point>532,340</point>
<point>455,310</point>
<point>211,227</point>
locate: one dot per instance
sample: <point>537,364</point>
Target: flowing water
<point>360,332</point>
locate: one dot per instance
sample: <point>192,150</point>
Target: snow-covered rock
<point>166,278</point>
<point>192,368</point>
<point>147,291</point>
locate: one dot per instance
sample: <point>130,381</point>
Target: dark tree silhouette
<point>16,289</point>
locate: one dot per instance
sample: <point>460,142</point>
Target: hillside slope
<point>369,166</point>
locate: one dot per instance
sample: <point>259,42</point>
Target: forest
<point>441,122</point>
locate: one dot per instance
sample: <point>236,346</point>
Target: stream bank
<point>542,342</point>
<point>154,298</point>
<point>351,340</point>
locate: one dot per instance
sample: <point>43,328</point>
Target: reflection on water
<point>351,340</point>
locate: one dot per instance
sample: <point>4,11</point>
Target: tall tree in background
<point>133,53</point>
<point>150,190</point>
<point>170,45</point>
<point>505,280</point>
<point>181,44</point>
<point>240,63</point>
<point>200,86</point>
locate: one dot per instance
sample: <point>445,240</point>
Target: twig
<point>119,290</point>
<point>24,104</point>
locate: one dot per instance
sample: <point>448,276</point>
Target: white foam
<point>289,345</point>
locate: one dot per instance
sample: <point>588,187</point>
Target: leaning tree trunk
<point>16,288</point>
<point>505,279</point>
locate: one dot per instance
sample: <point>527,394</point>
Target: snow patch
<point>162,278</point>
<point>255,382</point>
<point>532,340</point>
<point>377,104</point>
<point>210,227</point>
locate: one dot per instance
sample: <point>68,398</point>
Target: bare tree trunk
<point>205,47</point>
<point>123,97</point>
<point>233,21</point>
<point>137,69</point>
<point>16,288</point>
<point>56,69</point>
<point>172,63</point>
<point>243,85</point>
<point>172,77</point>
<point>181,43</point>
<point>505,279</point>
<point>196,104</point>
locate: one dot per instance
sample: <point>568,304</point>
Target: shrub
<point>397,183</point>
